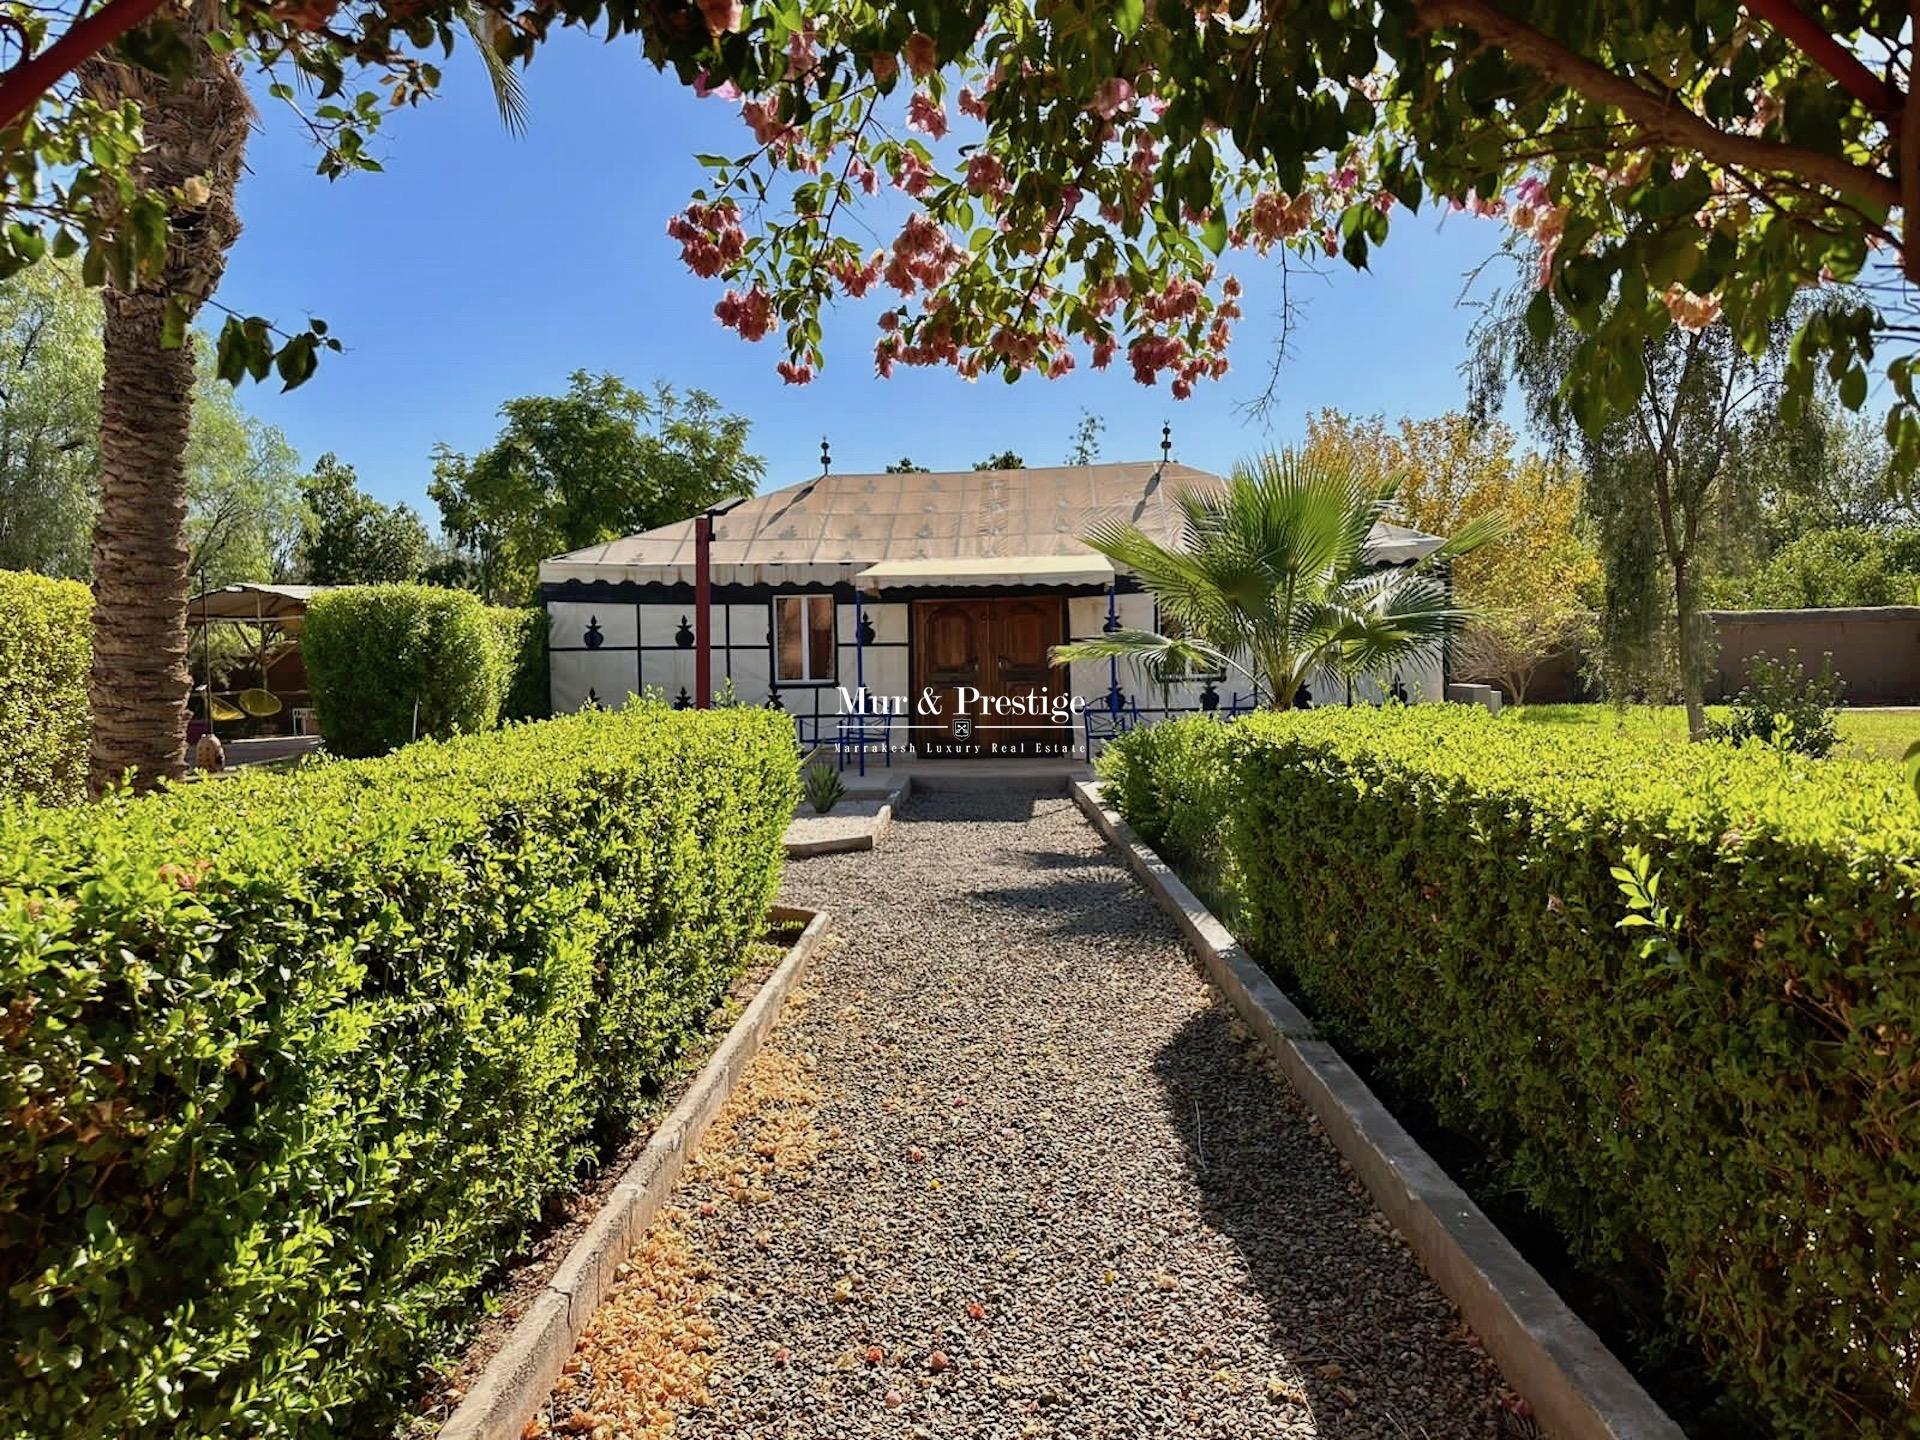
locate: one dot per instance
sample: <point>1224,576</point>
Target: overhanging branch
<point>1658,118</point>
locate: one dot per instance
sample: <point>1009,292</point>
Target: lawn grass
<point>1864,734</point>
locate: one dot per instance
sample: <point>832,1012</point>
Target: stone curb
<point>512,1386</point>
<point>1576,1386</point>
<point>866,840</point>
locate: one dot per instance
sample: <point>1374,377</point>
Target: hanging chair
<point>225,712</point>
<point>258,703</point>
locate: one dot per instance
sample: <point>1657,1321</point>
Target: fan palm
<point>1273,580</point>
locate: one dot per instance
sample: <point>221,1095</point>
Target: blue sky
<point>478,267</point>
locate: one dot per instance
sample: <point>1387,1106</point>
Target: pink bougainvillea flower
<point>703,86</point>
<point>722,16</point>
<point>911,173</point>
<point>927,115</point>
<point>986,176</point>
<point>1113,96</point>
<point>970,104</point>
<point>795,374</point>
<point>884,65</point>
<point>710,237</point>
<point>863,175</point>
<point>922,58</point>
<point>751,314</point>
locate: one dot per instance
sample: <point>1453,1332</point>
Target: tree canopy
<point>353,539</point>
<point>243,501</point>
<point>1079,177</point>
<point>600,461</point>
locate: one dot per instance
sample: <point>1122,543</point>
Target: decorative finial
<point>826,456</point>
<point>1166,442</point>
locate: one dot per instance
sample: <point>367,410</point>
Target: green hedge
<point>520,640</point>
<point>391,663</point>
<point>293,1061</point>
<point>1174,783</point>
<point>1716,1084</point>
<point>45,648</point>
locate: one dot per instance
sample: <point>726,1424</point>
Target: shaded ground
<point>1015,1172</point>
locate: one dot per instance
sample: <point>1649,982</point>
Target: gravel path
<point>1055,1193</point>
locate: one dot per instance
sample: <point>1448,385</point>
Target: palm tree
<point>195,133</point>
<point>1273,580</point>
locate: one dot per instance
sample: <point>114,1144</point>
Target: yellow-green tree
<point>1532,586</point>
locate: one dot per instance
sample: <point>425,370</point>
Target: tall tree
<point>1531,587</point>
<point>245,515</point>
<point>351,538</point>
<point>49,421</point>
<point>1654,473</point>
<point>600,461</point>
<point>195,133</point>
<point>242,477</point>
<point>905,466</point>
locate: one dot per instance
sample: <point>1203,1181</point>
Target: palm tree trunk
<point>140,684</point>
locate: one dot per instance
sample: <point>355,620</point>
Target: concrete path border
<point>514,1384</point>
<point>1578,1389</point>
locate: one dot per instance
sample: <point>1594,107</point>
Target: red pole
<point>703,612</point>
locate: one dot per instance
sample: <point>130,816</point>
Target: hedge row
<point>520,640</point>
<point>389,664</point>
<point>45,648</point>
<point>292,1062</point>
<point>1702,1064</point>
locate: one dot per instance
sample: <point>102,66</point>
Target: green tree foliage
<point>246,514</point>
<point>601,461</point>
<point>1828,568</point>
<point>1001,460</point>
<point>388,1011</point>
<point>351,538</point>
<point>49,422</point>
<point>1655,472</point>
<point>43,687</point>
<point>390,664</point>
<point>1273,581</point>
<point>1080,178</point>
<point>905,466</point>
<point>243,503</point>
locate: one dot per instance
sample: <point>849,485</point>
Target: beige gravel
<point>1054,1192</point>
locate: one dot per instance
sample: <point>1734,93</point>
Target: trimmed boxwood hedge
<point>520,637</point>
<point>391,663</point>
<point>46,645</point>
<point>1718,1082</point>
<point>290,1063</point>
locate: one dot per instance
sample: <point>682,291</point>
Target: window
<point>802,639</point>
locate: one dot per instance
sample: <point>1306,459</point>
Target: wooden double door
<point>966,653</point>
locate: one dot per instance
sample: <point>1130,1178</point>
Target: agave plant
<point>1273,581</point>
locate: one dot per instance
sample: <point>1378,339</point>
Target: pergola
<point>276,615</point>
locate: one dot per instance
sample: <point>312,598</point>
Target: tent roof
<point>253,602</point>
<point>847,523</point>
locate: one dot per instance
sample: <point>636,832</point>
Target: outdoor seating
<point>1108,722</point>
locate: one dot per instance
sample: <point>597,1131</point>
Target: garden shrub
<point>520,639</point>
<point>1172,782</point>
<point>1782,705</point>
<point>392,663</point>
<point>46,646</point>
<point>293,1061</point>
<point>1671,990</point>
